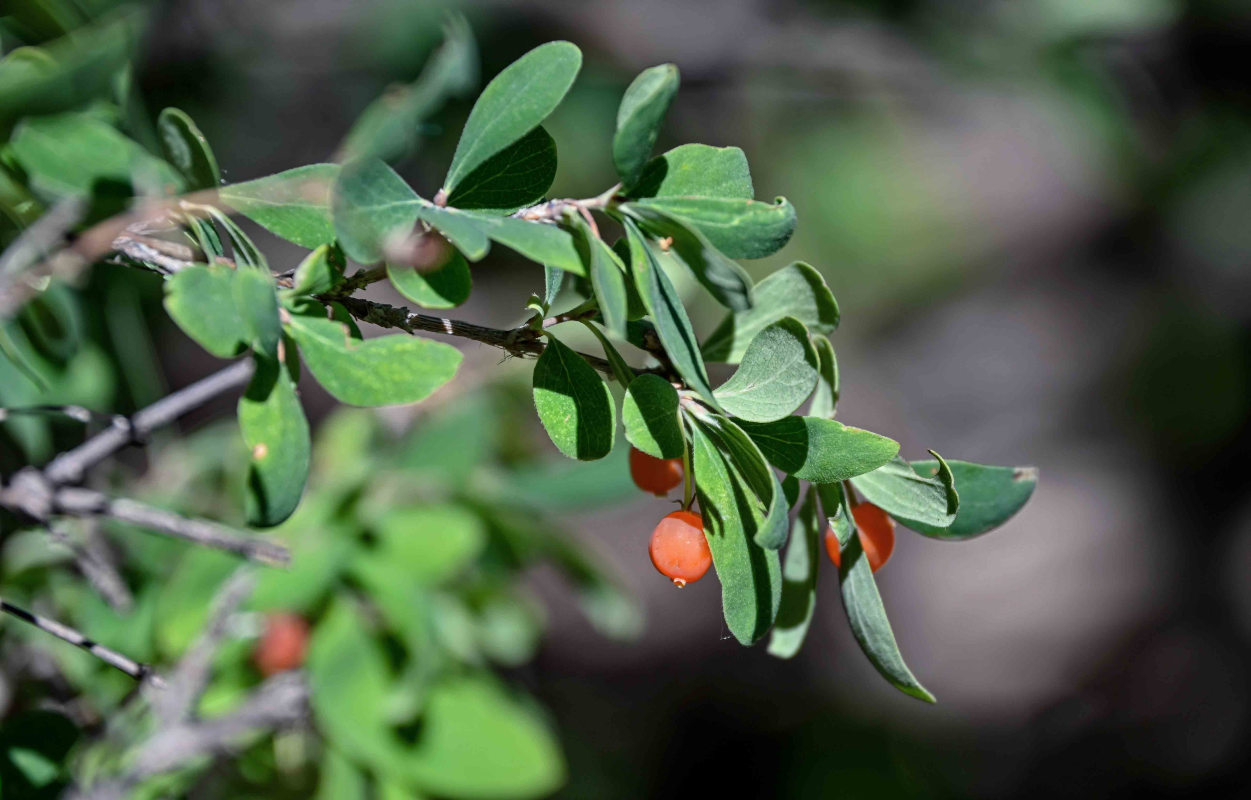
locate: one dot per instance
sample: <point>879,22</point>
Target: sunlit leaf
<point>650,413</point>
<point>750,575</point>
<point>777,374</point>
<point>639,117</point>
<point>294,204</point>
<point>387,370</point>
<point>738,228</point>
<point>573,403</point>
<point>514,103</point>
<point>820,450</point>
<point>989,497</point>
<point>796,291</point>
<point>276,434</point>
<point>898,490</point>
<point>696,170</point>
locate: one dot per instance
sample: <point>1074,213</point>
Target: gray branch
<point>70,466</point>
<point>134,669</point>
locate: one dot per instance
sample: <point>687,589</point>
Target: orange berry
<point>282,645</point>
<point>655,475</point>
<point>877,535</point>
<point>678,548</point>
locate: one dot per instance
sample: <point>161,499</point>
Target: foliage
<point>414,595</point>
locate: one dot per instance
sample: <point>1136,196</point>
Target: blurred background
<point>1037,220</point>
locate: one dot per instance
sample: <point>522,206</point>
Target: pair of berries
<point>680,552</point>
<point>677,548</point>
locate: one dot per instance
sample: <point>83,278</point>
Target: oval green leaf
<point>750,575</point>
<point>650,413</point>
<point>696,170</point>
<point>371,203</point>
<point>796,291</point>
<point>778,373</point>
<point>738,228</point>
<point>276,434</point>
<point>908,497</point>
<point>201,301</point>
<point>514,103</point>
<point>820,450</point>
<point>387,370</point>
<point>989,497</point>
<point>639,116</point>
<point>294,204</point>
<point>573,403</point>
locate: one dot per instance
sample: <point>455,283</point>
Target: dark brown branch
<point>520,342</point>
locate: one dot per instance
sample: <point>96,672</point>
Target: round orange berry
<point>877,535</point>
<point>655,475</point>
<point>282,645</point>
<point>678,548</point>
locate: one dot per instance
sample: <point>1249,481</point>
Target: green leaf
<point>391,124</point>
<point>696,170</point>
<point>750,463</point>
<point>664,305</point>
<point>276,434</point>
<point>620,369</point>
<point>799,581</point>
<point>348,685</point>
<point>908,497</point>
<point>387,370</point>
<point>340,779</point>
<point>825,400</point>
<point>796,291</point>
<point>187,149</point>
<point>778,373</point>
<point>724,279</point>
<point>863,604</point>
<point>736,227</point>
<point>608,279</point>
<point>245,251</point>
<point>546,244</point>
<point>294,204</point>
<point>751,576</point>
<point>201,301</point>
<point>431,544</point>
<point>371,203</point>
<point>477,741</point>
<point>76,154</point>
<point>446,287</point>
<point>514,103</point>
<point>650,413</point>
<point>69,71</point>
<point>573,403</point>
<point>513,178</point>
<point>820,450</point>
<point>257,304</point>
<point>639,116</point>
<point>553,282</point>
<point>319,272</point>
<point>989,497</point>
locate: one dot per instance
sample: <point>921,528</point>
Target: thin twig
<point>92,560</point>
<point>70,466</point>
<point>134,669</point>
<point>187,681</point>
<point>73,501</point>
<point>520,342</point>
